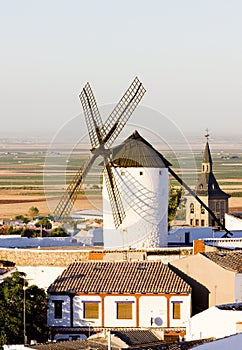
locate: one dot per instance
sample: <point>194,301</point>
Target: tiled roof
<point>63,345</point>
<point>230,307</point>
<point>135,151</point>
<point>102,345</point>
<point>186,345</point>
<point>228,260</point>
<point>119,277</point>
<point>161,345</point>
<point>133,337</point>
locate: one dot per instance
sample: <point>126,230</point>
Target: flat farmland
<point>30,175</point>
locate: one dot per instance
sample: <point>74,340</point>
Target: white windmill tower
<point>141,173</point>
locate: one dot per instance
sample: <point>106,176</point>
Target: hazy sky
<point>187,53</point>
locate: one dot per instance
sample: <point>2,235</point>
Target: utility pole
<point>109,339</point>
<point>24,311</point>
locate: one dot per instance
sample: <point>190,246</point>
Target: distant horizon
<point>195,140</point>
<point>187,54</point>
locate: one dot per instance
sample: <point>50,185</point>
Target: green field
<point>22,169</point>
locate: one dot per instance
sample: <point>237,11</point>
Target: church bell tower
<point>208,190</point>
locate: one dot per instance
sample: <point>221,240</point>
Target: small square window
<point>124,311</point>
<point>122,173</point>
<point>141,173</point>
<point>91,310</point>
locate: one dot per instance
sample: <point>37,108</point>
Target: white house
<point>118,294</point>
<point>233,221</point>
<point>141,174</point>
<point>217,321</point>
<point>215,277</point>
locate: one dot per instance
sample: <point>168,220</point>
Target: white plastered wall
<point>144,228</point>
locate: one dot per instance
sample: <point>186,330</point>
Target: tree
<point>13,231</point>
<point>33,211</point>
<point>58,232</point>
<point>174,201</point>
<point>45,223</point>
<point>12,299</point>
<point>36,314</point>
<point>22,218</point>
<point>30,233</point>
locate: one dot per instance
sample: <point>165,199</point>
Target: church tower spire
<point>207,162</point>
<point>209,191</point>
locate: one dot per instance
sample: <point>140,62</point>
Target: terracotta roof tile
<point>137,337</point>
<point>63,345</point>
<point>228,260</point>
<point>119,277</point>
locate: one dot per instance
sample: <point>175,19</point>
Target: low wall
<point>36,257</point>
<point>64,257</point>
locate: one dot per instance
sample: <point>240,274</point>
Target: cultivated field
<point>31,176</point>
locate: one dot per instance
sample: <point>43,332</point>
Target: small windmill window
<point>122,173</point>
<point>192,208</point>
<point>141,173</point>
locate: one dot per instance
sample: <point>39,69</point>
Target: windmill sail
<point>122,112</point>
<point>102,137</point>
<point>68,199</point>
<point>92,115</point>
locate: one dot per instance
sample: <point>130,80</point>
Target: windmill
<point>102,136</point>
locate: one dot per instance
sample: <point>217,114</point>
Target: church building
<point>208,190</point>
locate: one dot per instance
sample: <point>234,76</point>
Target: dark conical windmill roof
<point>135,151</point>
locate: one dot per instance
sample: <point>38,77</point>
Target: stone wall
<point>64,257</point>
<point>36,257</point>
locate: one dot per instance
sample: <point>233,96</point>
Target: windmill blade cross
<point>102,137</point>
